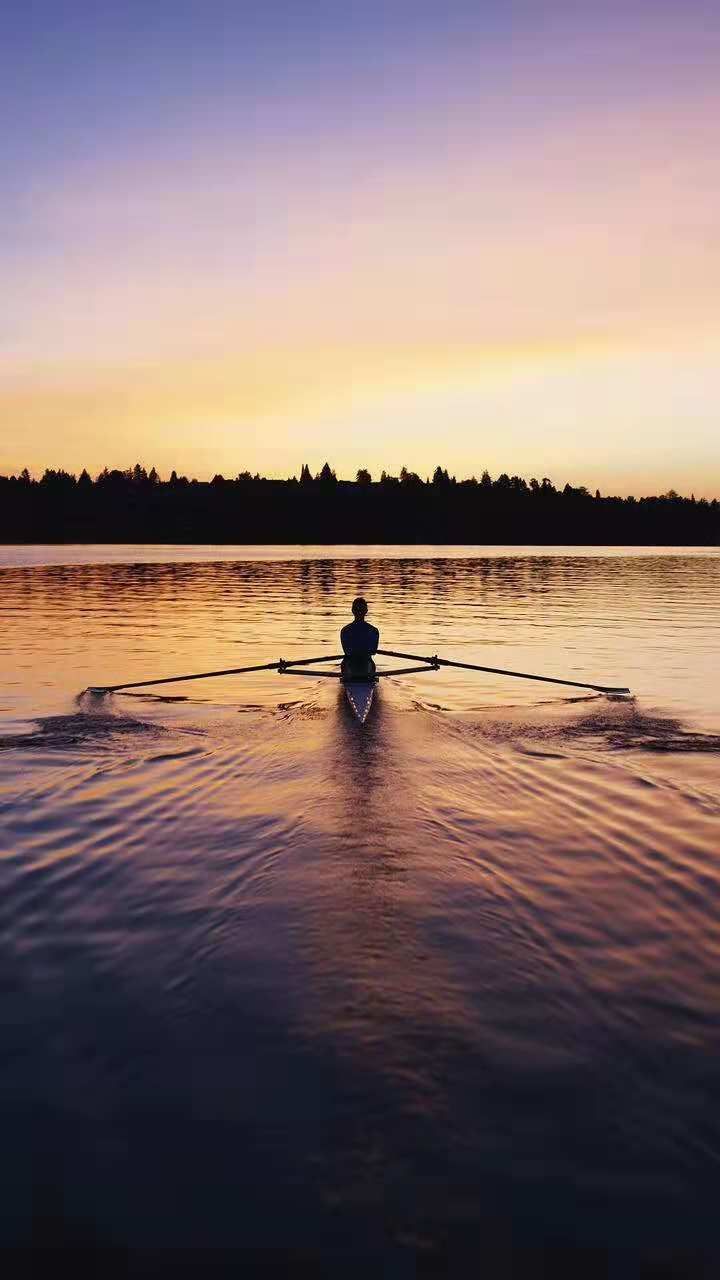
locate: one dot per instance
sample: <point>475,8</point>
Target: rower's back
<point>359,639</point>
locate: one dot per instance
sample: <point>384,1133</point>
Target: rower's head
<point>359,608</point>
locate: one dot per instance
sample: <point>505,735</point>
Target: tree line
<point>137,505</point>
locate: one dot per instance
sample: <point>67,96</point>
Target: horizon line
<point>406,478</point>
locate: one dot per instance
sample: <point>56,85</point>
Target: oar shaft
<point>502,671</point>
<point>206,675</point>
<point>404,671</point>
<point>290,671</point>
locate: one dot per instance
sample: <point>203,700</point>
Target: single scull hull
<point>360,694</point>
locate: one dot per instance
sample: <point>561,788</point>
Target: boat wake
<point>95,732</point>
<point>622,726</point>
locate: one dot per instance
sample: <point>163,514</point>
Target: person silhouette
<point>359,641</point>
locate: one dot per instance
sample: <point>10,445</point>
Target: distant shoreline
<point>137,507</point>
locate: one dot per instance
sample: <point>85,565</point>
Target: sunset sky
<point>248,235</point>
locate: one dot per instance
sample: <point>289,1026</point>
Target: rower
<point>359,640</point>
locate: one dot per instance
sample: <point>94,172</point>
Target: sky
<point>243,236</point>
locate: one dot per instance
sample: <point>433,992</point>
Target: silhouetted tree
<point>58,480</point>
<point>131,505</point>
<point>327,476</point>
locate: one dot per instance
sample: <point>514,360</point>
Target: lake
<point>437,990</point>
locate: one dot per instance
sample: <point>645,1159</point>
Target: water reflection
<point>649,622</point>
<point>456,964</point>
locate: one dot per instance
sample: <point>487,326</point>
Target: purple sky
<point>242,234</point>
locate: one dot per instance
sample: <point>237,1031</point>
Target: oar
<point>204,675</point>
<point>501,671</point>
<point>371,676</point>
<point>404,671</point>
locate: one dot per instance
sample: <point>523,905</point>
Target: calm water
<point>441,989</point>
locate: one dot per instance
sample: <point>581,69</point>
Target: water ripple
<point>275,976</point>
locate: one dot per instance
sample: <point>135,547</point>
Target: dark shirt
<point>359,639</point>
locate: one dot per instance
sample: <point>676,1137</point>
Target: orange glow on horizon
<point>470,283</point>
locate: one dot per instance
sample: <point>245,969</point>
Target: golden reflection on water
<point>473,942</point>
<point>649,622</point>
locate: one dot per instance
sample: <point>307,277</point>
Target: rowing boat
<point>360,694</point>
<point>360,690</point>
